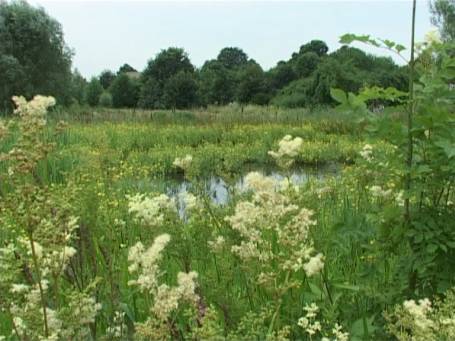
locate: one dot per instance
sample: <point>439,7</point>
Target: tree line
<point>34,58</point>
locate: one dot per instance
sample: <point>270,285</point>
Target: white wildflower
<point>150,211</point>
<point>367,152</point>
<point>183,163</point>
<point>146,262</point>
<point>187,285</point>
<point>314,265</point>
<point>19,288</point>
<point>217,244</point>
<point>339,334</point>
<point>433,37</point>
<point>378,192</point>
<point>288,147</point>
<point>190,201</point>
<point>419,312</point>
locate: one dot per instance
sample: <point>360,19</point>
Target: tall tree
<point>106,78</point>
<point>232,57</point>
<point>180,91</point>
<point>125,68</point>
<point>93,92</point>
<point>161,70</point>
<point>316,46</point>
<point>31,42</point>
<point>78,87</point>
<point>166,64</point>
<point>443,16</point>
<point>217,84</point>
<point>252,87</point>
<point>125,91</point>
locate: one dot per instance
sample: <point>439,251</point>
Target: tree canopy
<point>443,16</point>
<point>34,58</point>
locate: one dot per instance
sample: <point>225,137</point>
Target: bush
<point>125,92</point>
<point>94,91</point>
<point>106,99</point>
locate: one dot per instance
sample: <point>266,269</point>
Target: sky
<point>107,34</point>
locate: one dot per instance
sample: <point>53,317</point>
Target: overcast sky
<point>107,34</point>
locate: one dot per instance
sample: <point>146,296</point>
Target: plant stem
<point>41,291</point>
<point>280,302</point>
<point>411,111</point>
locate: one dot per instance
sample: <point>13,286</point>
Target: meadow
<point>110,231</point>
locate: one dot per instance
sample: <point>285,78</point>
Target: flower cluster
<point>150,211</point>
<point>36,108</point>
<point>184,162</point>
<point>313,326</point>
<point>367,152</point>
<point>309,322</point>
<point>419,311</point>
<point>166,299</point>
<point>271,211</point>
<point>146,262</point>
<point>379,192</point>
<point>288,149</point>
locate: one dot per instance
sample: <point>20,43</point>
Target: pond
<point>221,190</point>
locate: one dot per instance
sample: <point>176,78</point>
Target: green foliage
<point>252,86</point>
<point>106,79</point>
<point>443,16</point>
<point>318,47</point>
<point>170,69</point>
<point>306,63</point>
<point>93,92</point>
<point>232,58</point>
<point>216,83</point>
<point>78,87</point>
<point>166,64</point>
<point>428,232</point>
<point>180,91</point>
<point>150,96</point>
<point>33,55</point>
<point>106,100</point>
<point>126,68</point>
<point>124,91</point>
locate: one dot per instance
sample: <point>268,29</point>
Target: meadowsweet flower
<point>150,211</point>
<point>419,312</point>
<point>367,152</point>
<point>85,310</point>
<point>183,163</point>
<point>187,285</point>
<point>257,182</point>
<point>433,37</point>
<point>217,244</point>
<point>288,149</point>
<point>146,262</point>
<point>118,328</point>
<point>190,201</point>
<point>167,298</point>
<point>19,288</point>
<point>314,265</point>
<point>309,322</point>
<point>339,334</point>
<point>33,111</point>
<point>378,192</point>
<point>399,198</point>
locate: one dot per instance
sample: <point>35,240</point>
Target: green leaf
<point>315,289</point>
<point>399,48</point>
<point>339,95</point>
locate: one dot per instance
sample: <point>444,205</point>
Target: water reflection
<point>220,191</point>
